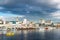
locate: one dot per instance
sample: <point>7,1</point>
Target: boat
<point>30,28</point>
<point>10,34</point>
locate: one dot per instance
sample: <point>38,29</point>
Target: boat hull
<point>26,28</point>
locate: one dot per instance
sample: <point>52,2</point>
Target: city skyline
<point>33,10</point>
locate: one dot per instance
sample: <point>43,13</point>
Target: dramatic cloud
<point>3,2</point>
<point>2,8</point>
<point>31,9</point>
<point>56,14</point>
<point>50,3</point>
<point>9,14</point>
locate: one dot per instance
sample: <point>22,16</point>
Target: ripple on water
<point>33,35</point>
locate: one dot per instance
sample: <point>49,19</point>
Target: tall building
<point>25,21</point>
<point>42,21</point>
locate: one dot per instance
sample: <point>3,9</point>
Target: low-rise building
<point>48,22</point>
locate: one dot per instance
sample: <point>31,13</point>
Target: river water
<point>34,35</point>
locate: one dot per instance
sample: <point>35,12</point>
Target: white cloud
<point>4,2</point>
<point>2,8</point>
<point>9,16</point>
<point>50,3</point>
<point>56,15</point>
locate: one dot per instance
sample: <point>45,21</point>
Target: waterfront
<point>34,35</point>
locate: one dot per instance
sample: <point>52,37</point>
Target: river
<point>34,35</point>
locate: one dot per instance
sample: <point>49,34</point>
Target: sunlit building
<point>25,21</point>
<point>1,21</point>
<point>45,22</point>
<point>42,21</point>
<point>57,24</point>
<point>48,22</point>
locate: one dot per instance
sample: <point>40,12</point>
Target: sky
<point>33,10</point>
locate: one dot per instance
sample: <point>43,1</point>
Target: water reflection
<point>33,35</point>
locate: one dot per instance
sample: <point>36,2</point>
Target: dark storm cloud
<point>18,5</point>
<point>36,8</point>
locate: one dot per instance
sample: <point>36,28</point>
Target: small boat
<point>49,28</point>
<point>10,34</point>
<point>46,28</point>
<point>31,28</point>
